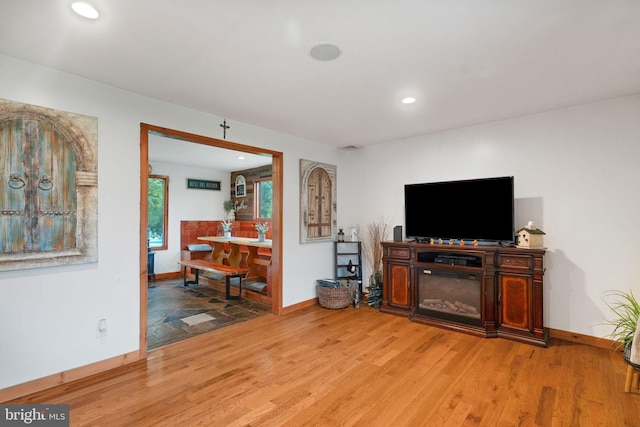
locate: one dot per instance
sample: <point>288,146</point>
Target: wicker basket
<point>333,298</point>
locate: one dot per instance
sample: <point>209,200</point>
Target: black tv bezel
<point>410,229</point>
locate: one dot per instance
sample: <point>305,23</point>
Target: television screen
<point>478,209</point>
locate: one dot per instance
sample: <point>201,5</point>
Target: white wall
<point>575,170</point>
<point>48,316</point>
<point>576,175</point>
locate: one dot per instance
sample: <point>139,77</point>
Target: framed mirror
<point>241,186</point>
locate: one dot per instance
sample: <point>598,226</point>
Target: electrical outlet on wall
<point>101,328</point>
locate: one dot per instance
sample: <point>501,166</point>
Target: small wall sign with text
<point>201,184</point>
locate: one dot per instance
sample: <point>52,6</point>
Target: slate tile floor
<point>176,312</point>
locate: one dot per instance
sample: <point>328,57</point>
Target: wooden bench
<point>229,273</point>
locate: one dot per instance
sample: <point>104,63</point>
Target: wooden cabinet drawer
<point>524,262</point>
<point>398,253</point>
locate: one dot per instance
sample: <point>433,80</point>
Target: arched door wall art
<point>48,188</point>
<point>318,202</point>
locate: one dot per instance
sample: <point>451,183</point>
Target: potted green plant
<point>262,228</point>
<point>625,310</point>
<point>229,208</point>
<point>226,227</point>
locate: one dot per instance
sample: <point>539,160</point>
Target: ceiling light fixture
<point>352,147</point>
<point>408,100</point>
<point>85,9</point>
<point>325,52</point>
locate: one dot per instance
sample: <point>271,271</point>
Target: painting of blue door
<point>48,191</point>
<point>38,200</point>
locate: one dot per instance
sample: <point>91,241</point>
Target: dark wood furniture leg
<point>228,286</point>
<point>190,282</point>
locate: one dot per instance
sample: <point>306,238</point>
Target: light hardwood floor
<point>354,367</point>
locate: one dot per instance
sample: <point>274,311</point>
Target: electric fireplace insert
<point>450,295</point>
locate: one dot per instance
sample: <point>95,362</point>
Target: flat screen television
<point>476,209</point>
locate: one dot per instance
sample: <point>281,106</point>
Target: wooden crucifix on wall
<point>224,127</point>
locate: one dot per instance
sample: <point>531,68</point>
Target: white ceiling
<point>466,61</point>
<point>168,150</point>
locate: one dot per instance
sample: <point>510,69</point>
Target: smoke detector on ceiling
<point>325,52</point>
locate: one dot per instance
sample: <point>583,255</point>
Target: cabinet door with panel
<point>520,295</point>
<point>397,264</point>
<point>514,301</point>
<point>398,285</point>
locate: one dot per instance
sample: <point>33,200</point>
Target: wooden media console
<point>488,291</point>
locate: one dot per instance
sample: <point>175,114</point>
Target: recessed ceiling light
<point>408,100</point>
<point>85,9</point>
<point>325,52</point>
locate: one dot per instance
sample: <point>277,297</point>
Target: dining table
<point>230,248</point>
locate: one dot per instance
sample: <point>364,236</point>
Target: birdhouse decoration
<point>529,236</point>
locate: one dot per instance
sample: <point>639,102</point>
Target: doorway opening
<point>277,179</point>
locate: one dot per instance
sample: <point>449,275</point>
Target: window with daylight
<point>263,199</point>
<point>158,209</point>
